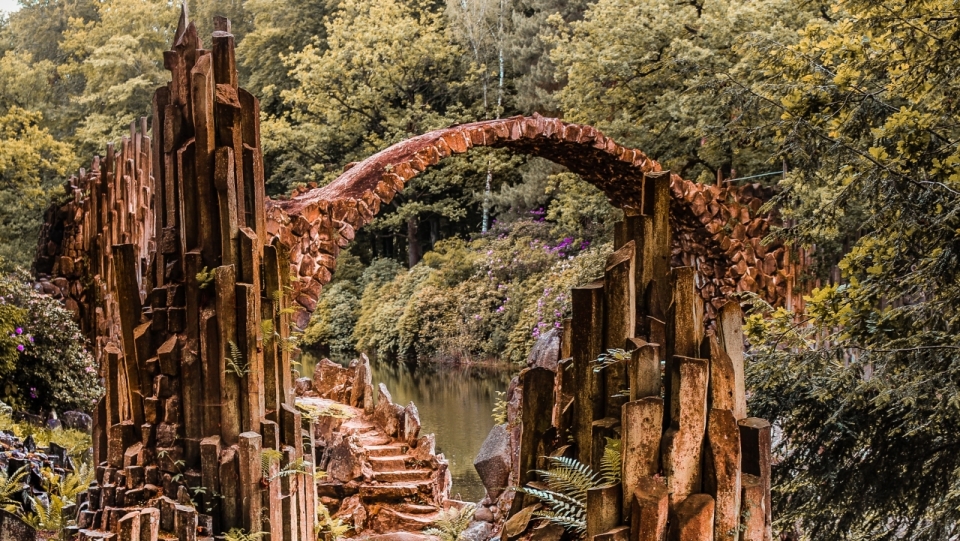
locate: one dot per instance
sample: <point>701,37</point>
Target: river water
<point>455,403</point>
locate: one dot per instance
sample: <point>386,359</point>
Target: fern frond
<point>267,331</point>
<point>267,458</point>
<point>569,476</point>
<point>610,463</point>
<point>236,534</point>
<point>10,485</point>
<point>235,363</point>
<point>452,522</point>
<point>500,408</point>
<point>610,357</point>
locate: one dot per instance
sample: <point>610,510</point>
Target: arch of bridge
<point>711,224</point>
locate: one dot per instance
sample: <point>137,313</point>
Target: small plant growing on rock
<point>236,534</point>
<point>565,497</point>
<point>452,522</point>
<point>500,408</point>
<point>610,463</point>
<point>334,528</point>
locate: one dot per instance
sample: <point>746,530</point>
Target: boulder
<point>546,351</point>
<point>353,513</point>
<point>77,420</point>
<point>411,424</point>
<point>387,415</point>
<point>493,461</point>
<point>476,531</point>
<point>347,457</point>
<point>483,514</point>
<point>329,380</point>
<point>303,386</point>
<point>12,528</point>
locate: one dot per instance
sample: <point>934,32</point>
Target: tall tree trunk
<point>414,249</point>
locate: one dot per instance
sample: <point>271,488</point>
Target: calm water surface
<point>454,402</point>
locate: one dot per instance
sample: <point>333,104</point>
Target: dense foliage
<point>491,297</point>
<point>43,364</point>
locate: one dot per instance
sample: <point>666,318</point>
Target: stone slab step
<point>402,476</point>
<point>417,509</point>
<point>374,439</point>
<point>386,450</point>
<point>389,519</point>
<point>395,491</point>
<point>388,463</point>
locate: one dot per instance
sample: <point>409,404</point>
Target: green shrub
<point>52,370</point>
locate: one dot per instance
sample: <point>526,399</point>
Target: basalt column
<point>199,424</point>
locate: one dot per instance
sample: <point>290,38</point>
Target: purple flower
<point>33,392</point>
<point>30,338</point>
<point>20,348</point>
<point>19,330</point>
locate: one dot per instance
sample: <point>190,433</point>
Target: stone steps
<point>402,476</point>
<point>385,450</point>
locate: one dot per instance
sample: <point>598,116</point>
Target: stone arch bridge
<point>715,228</point>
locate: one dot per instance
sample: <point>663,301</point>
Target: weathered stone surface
<point>621,533</point>
<point>493,461</point>
<point>683,442</point>
<point>603,509</point>
<point>346,460</point>
<point>755,444</point>
<point>721,477</point>
<point>694,519</point>
<point>476,531</point>
<point>640,444</point>
<point>649,511</point>
<point>546,351</point>
<point>77,420</point>
<point>754,509</point>
<point>411,424</point>
<point>14,529</point>
<point>387,415</point>
<point>303,386</point>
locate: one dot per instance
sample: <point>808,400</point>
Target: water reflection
<point>454,402</point>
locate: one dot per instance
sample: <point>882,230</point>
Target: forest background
<point>856,99</point>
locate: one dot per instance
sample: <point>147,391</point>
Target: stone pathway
<point>378,482</point>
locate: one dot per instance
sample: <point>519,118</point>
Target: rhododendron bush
<point>43,363</point>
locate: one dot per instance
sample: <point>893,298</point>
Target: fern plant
<point>327,524</point>
<point>205,277</point>
<point>452,522</point>
<point>500,408</point>
<point>610,463</point>
<point>236,534</point>
<point>10,485</point>
<point>565,497</point>
<point>267,458</point>
<point>235,363</point>
<point>610,357</point>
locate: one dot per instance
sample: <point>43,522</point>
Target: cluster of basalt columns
<point>694,465</point>
<point>108,205</point>
<point>198,380</point>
